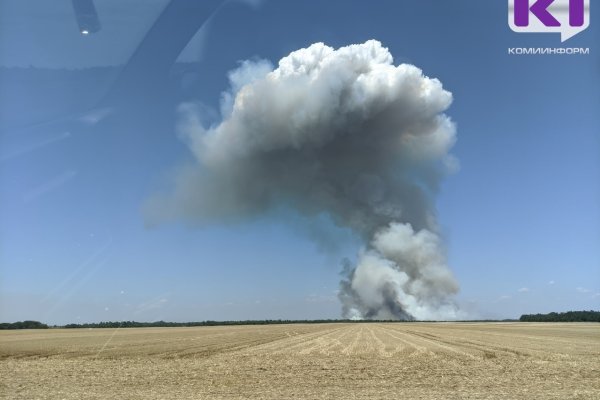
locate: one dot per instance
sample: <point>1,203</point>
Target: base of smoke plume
<point>401,275</point>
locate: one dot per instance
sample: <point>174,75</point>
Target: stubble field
<point>320,361</point>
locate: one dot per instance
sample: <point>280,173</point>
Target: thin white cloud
<point>551,283</point>
<point>316,298</point>
<point>153,304</point>
<point>582,290</point>
<point>95,116</point>
<point>523,290</point>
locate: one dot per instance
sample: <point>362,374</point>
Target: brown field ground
<point>322,361</point>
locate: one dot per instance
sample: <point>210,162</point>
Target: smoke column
<point>343,132</point>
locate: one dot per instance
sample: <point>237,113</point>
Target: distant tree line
<point>23,325</point>
<point>160,324</point>
<point>569,316</point>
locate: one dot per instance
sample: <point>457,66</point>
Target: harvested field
<point>320,361</point>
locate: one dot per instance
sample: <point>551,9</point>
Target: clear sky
<point>520,219</point>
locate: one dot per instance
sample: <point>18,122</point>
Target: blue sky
<point>521,218</point>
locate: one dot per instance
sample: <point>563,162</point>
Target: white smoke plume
<point>343,132</point>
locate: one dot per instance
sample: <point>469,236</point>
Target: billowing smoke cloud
<point>342,132</point>
<point>402,275</point>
